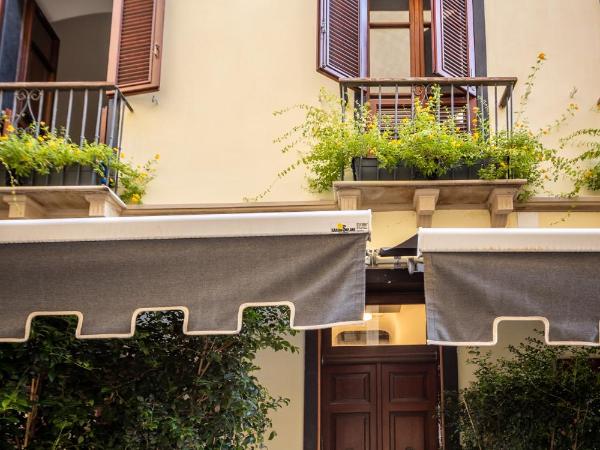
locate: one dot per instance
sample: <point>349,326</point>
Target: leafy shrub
<point>542,397</point>
<point>23,153</point>
<point>157,390</point>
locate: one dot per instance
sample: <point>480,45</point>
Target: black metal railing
<point>478,103</point>
<point>80,111</point>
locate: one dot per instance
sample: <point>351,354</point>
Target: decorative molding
<point>349,199</point>
<point>23,207</point>
<point>229,208</point>
<point>560,204</point>
<point>424,201</point>
<point>102,205</point>
<point>501,205</point>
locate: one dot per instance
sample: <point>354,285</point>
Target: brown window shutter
<point>453,44</point>
<point>136,45</point>
<point>343,34</point>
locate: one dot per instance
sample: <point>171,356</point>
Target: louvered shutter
<point>454,50</point>
<point>343,31</point>
<point>136,45</point>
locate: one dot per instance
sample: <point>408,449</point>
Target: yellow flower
<point>3,138</point>
<point>135,198</point>
<point>10,128</point>
<point>542,56</point>
<point>122,155</point>
<point>157,157</point>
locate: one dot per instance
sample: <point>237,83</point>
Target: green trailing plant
<point>334,133</point>
<point>583,169</point>
<point>518,155</point>
<point>158,390</point>
<point>541,397</point>
<point>25,152</point>
<point>330,136</point>
<point>431,146</point>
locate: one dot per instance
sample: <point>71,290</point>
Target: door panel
<point>349,398</point>
<point>351,431</point>
<point>407,431</point>
<point>408,405</point>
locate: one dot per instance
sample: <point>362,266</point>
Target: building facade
<point>200,83</point>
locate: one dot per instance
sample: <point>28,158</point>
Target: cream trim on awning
<point>476,278</point>
<point>108,270</point>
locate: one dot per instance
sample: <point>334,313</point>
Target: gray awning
<point>475,278</point>
<point>106,271</point>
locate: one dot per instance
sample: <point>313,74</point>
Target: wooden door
<point>39,46</point>
<point>350,402</point>
<point>408,405</point>
<point>379,398</point>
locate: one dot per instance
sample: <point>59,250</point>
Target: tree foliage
<point>542,397</point>
<point>158,390</point>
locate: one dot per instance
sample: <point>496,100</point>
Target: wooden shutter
<point>453,44</point>
<point>136,45</point>
<point>343,34</point>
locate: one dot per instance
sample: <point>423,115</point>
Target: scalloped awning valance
<point>475,278</point>
<point>108,270</point>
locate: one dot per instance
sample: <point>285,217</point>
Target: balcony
<point>92,112</point>
<point>477,105</point>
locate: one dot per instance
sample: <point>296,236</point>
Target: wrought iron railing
<point>80,111</point>
<point>474,103</point>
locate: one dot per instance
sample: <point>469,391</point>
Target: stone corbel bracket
<point>348,199</point>
<point>425,201</point>
<point>501,204</point>
<point>23,207</point>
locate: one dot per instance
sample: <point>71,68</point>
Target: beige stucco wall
<point>568,33</point>
<point>283,375</point>
<point>227,65</point>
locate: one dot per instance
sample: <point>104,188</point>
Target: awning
<point>476,278</point>
<point>106,271</point>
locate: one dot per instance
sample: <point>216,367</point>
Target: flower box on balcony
<point>73,175</point>
<point>368,169</point>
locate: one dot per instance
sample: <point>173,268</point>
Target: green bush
<point>542,397</point>
<point>158,390</point>
<point>25,152</point>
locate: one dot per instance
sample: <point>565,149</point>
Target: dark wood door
<point>39,46</point>
<point>379,398</point>
<point>408,404</point>
<point>350,394</point>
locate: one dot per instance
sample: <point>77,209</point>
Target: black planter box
<point>68,176</point>
<point>367,169</point>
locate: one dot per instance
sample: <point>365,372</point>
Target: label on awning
<point>474,279</point>
<point>212,272</point>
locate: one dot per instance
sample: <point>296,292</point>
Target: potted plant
<point>44,158</point>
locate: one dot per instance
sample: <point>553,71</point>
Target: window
<point>136,45</point>
<point>396,38</point>
<point>384,325</point>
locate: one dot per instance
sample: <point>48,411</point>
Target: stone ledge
<point>425,197</point>
<point>35,202</point>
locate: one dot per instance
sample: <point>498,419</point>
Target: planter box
<point>367,169</point>
<point>69,176</point>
